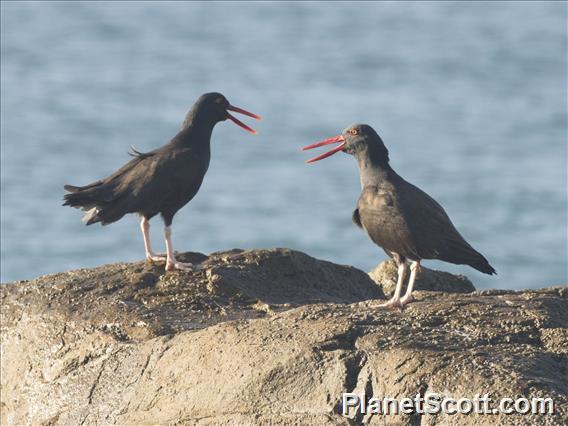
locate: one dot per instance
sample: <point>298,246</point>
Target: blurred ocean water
<point>470,99</point>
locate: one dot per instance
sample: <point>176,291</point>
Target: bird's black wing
<point>103,193</point>
<point>138,156</point>
<point>141,185</point>
<point>433,233</point>
<point>165,179</point>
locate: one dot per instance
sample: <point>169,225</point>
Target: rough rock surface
<point>266,337</point>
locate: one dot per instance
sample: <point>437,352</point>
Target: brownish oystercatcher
<point>399,217</point>
<point>160,181</point>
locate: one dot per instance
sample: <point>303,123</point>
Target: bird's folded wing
<point>434,233</point>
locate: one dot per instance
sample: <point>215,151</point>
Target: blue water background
<point>470,99</point>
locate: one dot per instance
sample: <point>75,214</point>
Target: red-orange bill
<point>334,139</point>
<point>239,122</point>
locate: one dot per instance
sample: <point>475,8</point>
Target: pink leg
<point>171,262</point>
<point>414,269</point>
<point>395,301</point>
<point>150,255</point>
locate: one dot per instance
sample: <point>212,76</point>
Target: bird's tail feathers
<point>464,254</point>
<point>80,198</point>
<point>97,201</point>
<point>71,188</point>
<point>482,265</point>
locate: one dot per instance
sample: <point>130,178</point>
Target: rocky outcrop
<point>266,337</point>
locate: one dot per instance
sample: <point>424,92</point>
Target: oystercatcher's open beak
<point>239,122</point>
<point>334,139</point>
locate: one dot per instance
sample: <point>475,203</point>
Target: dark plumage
<point>161,181</point>
<point>398,216</point>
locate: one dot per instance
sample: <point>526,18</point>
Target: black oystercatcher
<point>399,217</point>
<point>160,181</point>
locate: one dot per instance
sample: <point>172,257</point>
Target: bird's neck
<point>197,130</point>
<point>373,169</point>
<point>200,121</point>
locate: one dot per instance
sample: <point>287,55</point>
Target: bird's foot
<point>406,300</point>
<point>175,265</point>
<point>394,303</point>
<point>154,257</point>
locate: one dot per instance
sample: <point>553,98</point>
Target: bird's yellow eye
<point>353,131</point>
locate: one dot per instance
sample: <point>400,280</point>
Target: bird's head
<point>214,107</point>
<point>357,140</point>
